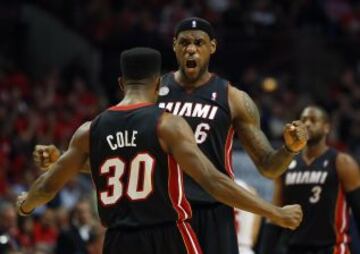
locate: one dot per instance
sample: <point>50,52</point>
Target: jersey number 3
<point>316,191</point>
<point>139,185</point>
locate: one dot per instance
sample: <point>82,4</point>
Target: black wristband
<point>287,149</point>
<point>22,212</point>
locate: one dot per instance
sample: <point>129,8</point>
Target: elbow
<point>268,172</point>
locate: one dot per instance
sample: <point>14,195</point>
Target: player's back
<point>137,183</point>
<point>317,189</point>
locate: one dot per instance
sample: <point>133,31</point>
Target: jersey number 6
<point>201,132</point>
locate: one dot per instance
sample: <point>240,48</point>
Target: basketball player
<point>132,149</point>
<point>215,110</point>
<point>326,183</point>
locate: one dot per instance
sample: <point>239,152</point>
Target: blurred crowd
<point>257,40</point>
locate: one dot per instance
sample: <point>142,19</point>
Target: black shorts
<point>214,225</point>
<point>174,238</point>
<point>338,249</point>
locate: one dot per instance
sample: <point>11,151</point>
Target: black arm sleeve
<point>353,197</point>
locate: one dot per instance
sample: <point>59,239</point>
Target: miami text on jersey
<point>190,109</point>
<point>306,177</point>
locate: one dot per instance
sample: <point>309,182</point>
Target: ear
<point>121,84</point>
<point>174,43</point>
<point>327,128</point>
<point>213,45</point>
<point>158,81</point>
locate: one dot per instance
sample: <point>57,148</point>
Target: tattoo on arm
<point>246,120</point>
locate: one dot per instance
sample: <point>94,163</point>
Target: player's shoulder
<point>220,80</point>
<point>168,121</point>
<point>85,127</point>
<point>343,158</point>
<point>81,135</point>
<point>242,105</point>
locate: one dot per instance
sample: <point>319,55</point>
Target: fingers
<point>292,216</point>
<point>297,216</point>
<point>19,205</point>
<point>295,135</point>
<point>20,199</point>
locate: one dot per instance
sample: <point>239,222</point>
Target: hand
<point>296,136</point>
<point>19,205</point>
<point>44,156</point>
<point>289,216</point>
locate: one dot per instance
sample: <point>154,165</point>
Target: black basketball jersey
<point>206,109</point>
<point>317,189</point>
<point>137,183</point>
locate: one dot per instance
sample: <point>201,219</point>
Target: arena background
<point>59,63</point>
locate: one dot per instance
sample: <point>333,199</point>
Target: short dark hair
<point>194,23</point>
<point>324,114</point>
<point>140,63</point>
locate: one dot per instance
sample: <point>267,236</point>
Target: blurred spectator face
<point>8,218</point>
<point>48,219</point>
<point>27,225</point>
<point>193,49</point>
<point>62,218</point>
<point>316,124</point>
<point>83,213</point>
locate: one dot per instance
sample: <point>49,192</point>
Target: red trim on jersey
<point>228,152</point>
<point>341,223</point>
<point>190,240</point>
<point>341,249</point>
<point>130,106</point>
<point>176,190</point>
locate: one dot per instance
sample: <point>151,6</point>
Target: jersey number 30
<point>139,185</point>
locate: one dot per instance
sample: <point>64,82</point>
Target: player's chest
<point>322,173</point>
<point>207,105</point>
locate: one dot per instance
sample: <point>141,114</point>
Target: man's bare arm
<point>68,165</point>
<point>246,120</point>
<point>349,175</point>
<point>348,171</point>
<point>278,192</point>
<point>177,138</point>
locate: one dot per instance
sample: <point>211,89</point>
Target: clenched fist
<point>45,155</point>
<point>295,136</point>
<point>289,216</point>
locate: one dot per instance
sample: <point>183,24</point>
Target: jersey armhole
<point>228,84</point>
<point>93,122</point>
<point>162,112</point>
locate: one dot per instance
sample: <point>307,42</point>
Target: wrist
<point>24,211</point>
<point>274,214</point>
<point>290,151</point>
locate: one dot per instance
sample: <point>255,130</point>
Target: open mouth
<point>191,63</point>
